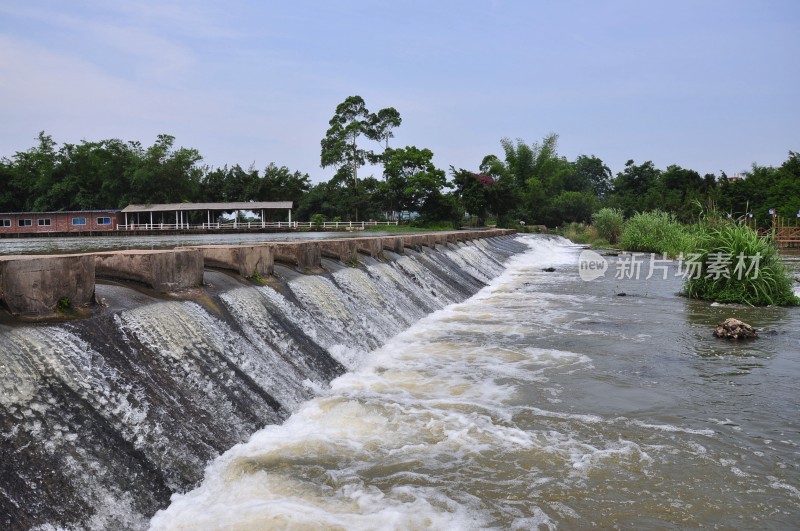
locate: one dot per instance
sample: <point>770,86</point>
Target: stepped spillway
<point>103,419</point>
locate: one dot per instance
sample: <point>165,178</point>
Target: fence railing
<point>255,225</point>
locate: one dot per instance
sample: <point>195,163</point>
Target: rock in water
<point>735,329</point>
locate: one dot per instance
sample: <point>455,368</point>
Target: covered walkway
<point>185,216</point>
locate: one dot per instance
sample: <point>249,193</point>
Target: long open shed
<point>144,216</point>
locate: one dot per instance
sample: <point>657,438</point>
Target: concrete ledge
<point>247,260</point>
<point>305,255</point>
<point>164,271</point>
<point>345,250</point>
<point>393,243</point>
<point>417,241</point>
<point>35,284</point>
<point>370,246</point>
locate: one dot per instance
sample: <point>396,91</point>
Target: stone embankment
<point>39,284</point>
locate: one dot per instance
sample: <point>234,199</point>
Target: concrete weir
<point>247,260</point>
<point>34,285</point>
<point>165,271</point>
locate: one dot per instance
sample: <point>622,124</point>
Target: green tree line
<point>522,182</point>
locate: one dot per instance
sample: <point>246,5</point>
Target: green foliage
<point>64,304</point>
<point>658,232</point>
<point>412,180</point>
<point>583,234</point>
<point>766,284</point>
<point>609,222</point>
<point>318,219</point>
<point>573,206</point>
<point>341,148</point>
<point>257,278</point>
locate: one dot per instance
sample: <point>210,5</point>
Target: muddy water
<point>542,402</point>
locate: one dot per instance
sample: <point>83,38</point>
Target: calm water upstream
<point>542,402</point>
<point>60,245</point>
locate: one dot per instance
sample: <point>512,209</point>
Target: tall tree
<point>341,146</point>
<point>382,123</point>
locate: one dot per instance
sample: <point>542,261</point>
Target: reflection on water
<point>113,243</point>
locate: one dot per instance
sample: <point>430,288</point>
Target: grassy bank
<point>755,274</point>
<point>732,263</point>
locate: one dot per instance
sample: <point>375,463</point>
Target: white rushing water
<point>541,402</point>
<point>482,393</point>
<point>388,445</point>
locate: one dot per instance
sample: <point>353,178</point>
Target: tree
<point>474,190</point>
<point>412,178</point>
<point>162,174</point>
<point>352,120</point>
<point>592,175</point>
<point>634,188</point>
<point>382,123</point>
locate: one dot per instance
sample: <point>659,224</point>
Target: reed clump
<point>739,266</point>
<point>659,232</point>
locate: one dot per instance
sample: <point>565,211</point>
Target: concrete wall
<point>304,255</point>
<point>345,250</point>
<point>35,284</point>
<point>247,260</point>
<point>394,244</point>
<point>370,246</point>
<point>164,271</point>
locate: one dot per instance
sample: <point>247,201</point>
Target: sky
<point>707,85</point>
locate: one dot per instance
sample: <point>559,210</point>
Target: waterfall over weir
<point>101,420</point>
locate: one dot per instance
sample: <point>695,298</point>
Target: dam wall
<point>105,417</point>
<point>34,285</point>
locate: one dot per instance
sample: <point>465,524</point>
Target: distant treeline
<point>529,183</point>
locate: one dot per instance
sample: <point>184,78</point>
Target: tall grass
<point>659,232</point>
<point>609,222</point>
<point>582,233</point>
<point>758,282</point>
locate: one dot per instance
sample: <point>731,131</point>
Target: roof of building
<point>240,205</point>
<point>58,212</point>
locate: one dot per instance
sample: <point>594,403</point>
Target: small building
<point>83,221</point>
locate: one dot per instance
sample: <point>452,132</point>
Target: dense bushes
<point>608,222</point>
<point>658,232</point>
<point>754,274</point>
<point>724,261</point>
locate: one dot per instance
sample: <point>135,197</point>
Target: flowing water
<point>102,419</point>
<point>542,402</point>
<point>481,392</point>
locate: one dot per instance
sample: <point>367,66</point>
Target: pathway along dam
<point>454,386</point>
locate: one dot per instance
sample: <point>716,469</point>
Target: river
<point>112,242</point>
<point>543,401</point>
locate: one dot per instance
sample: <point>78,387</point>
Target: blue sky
<point>707,85</point>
